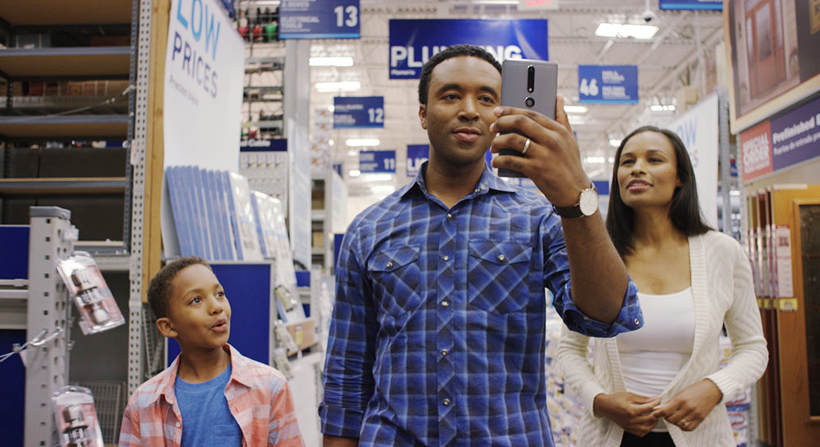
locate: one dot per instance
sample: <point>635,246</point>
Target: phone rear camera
<point>529,101</point>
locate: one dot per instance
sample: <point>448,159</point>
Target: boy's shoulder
<point>149,390</point>
<point>246,369</point>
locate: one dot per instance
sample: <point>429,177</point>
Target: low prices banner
<point>698,129</point>
<point>204,72</point>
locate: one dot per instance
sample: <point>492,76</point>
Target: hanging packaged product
<point>91,295</point>
<point>75,417</point>
<point>284,337</point>
<point>280,359</point>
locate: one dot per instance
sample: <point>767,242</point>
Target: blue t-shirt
<point>206,418</point>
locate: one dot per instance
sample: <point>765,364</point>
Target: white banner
<point>204,72</point>
<point>202,97</point>
<point>699,130</point>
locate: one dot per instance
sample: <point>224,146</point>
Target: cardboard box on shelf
<point>303,333</point>
<point>318,239</point>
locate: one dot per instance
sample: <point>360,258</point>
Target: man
<point>438,331</point>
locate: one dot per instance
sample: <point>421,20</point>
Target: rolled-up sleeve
<point>348,378</point>
<point>557,279</point>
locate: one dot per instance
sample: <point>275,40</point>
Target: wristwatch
<point>586,206</point>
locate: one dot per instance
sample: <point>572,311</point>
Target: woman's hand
<point>688,408</point>
<point>632,412</point>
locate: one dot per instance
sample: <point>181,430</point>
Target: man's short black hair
<point>159,290</point>
<point>447,53</point>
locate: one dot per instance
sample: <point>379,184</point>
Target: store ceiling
<point>667,62</point>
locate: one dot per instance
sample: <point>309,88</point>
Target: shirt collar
<point>239,373</point>
<point>488,181</point>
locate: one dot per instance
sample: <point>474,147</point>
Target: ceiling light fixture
<point>614,143</point>
<point>579,110</point>
<point>662,108</point>
<point>377,177</point>
<point>354,173</point>
<point>577,119</point>
<point>626,30</point>
<point>358,142</point>
<point>341,61</point>
<point>594,160</point>
<point>344,86</point>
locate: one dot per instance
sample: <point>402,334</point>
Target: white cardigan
<point>723,292</point>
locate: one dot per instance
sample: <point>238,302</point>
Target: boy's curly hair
<point>159,290</point>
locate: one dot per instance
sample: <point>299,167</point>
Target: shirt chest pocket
<point>497,275</point>
<point>395,277</point>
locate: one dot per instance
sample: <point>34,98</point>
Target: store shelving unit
<point>38,119</point>
<point>328,202</point>
<point>121,53</point>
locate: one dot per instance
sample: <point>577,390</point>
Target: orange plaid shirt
<point>258,396</point>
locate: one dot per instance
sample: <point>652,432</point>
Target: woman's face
<point>647,171</point>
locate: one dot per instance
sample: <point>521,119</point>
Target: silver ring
<point>526,147</point>
<point>684,423</point>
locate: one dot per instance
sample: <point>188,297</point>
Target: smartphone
<point>528,84</point>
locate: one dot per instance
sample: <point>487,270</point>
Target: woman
<point>660,385</point>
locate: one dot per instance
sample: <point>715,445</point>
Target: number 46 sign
<point>319,19</point>
<point>608,84</point>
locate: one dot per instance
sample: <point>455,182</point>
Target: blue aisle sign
<point>608,84</point>
<point>377,161</point>
<point>416,155</point>
<point>319,19</point>
<point>413,42</point>
<point>711,5</point>
<point>264,145</point>
<point>358,112</point>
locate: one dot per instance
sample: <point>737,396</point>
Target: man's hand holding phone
<point>552,159</point>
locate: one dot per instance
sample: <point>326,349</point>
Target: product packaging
<point>91,295</point>
<point>75,417</point>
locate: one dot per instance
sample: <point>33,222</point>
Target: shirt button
<point>445,303</point>
<point>449,216</point>
<point>390,264</point>
<point>501,258</point>
<point>637,322</point>
<point>444,352</point>
<point>446,402</point>
<point>178,424</point>
<point>476,190</point>
<point>446,258</point>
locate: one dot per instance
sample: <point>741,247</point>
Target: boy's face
<point>199,315</point>
<point>463,92</point>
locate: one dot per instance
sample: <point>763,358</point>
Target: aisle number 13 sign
<point>319,19</point>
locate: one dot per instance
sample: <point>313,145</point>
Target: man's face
<point>463,92</point>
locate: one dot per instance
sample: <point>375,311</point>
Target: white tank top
<point>653,355</point>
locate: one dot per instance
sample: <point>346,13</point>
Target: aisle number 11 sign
<point>358,112</point>
<point>371,162</point>
<point>319,19</point>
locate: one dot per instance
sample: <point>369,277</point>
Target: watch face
<point>589,202</point>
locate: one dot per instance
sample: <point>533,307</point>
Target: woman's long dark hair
<point>684,212</point>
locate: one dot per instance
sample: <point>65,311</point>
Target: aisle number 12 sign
<point>319,19</point>
<point>358,112</point>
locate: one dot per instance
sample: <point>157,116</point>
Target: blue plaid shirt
<point>438,331</point>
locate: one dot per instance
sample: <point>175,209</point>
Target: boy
<point>222,397</point>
